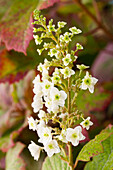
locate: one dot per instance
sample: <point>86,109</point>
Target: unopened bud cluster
<point>55,94</point>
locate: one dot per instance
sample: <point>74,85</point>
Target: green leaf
<point>14,65</point>
<point>103,161</point>
<point>87,102</point>
<point>13,160</point>
<point>95,146</point>
<point>55,163</point>
<point>29,160</point>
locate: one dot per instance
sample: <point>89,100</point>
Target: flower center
<point>87,81</point>
<point>74,135</point>
<point>50,146</point>
<point>46,135</point>
<point>32,124</point>
<point>86,123</point>
<point>57,97</point>
<point>47,86</point>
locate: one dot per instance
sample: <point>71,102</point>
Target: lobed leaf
<point>15,25</point>
<point>13,159</point>
<point>104,160</point>
<point>95,146</point>
<point>55,163</point>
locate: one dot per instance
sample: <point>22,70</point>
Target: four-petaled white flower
<point>34,150</point>
<point>51,148</point>
<point>86,123</point>
<point>39,51</point>
<point>44,134</point>
<point>67,59</point>
<point>61,24</point>
<point>88,82</point>
<point>74,135</point>
<point>74,30</point>
<point>67,72</point>
<point>32,123</point>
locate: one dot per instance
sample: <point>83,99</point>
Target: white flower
<point>51,148</point>
<point>41,114</point>
<point>56,79</point>
<point>41,125</point>
<point>51,28</point>
<point>79,47</point>
<point>61,24</point>
<point>62,115</point>
<point>86,123</point>
<point>67,59</point>
<point>58,97</point>
<point>67,37</point>
<point>38,40</point>
<point>51,106</point>
<point>88,82</point>
<point>38,89</point>
<point>53,52</point>
<point>47,85</point>
<point>34,150</point>
<point>56,72</point>
<point>32,123</point>
<point>44,134</point>
<point>37,103</point>
<point>46,63</point>
<point>46,45</point>
<point>40,67</point>
<point>36,80</point>
<point>74,30</point>
<point>74,135</point>
<point>67,72</point>
<point>62,136</point>
<point>45,74</point>
<point>39,51</point>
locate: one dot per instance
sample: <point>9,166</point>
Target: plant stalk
<point>100,25</point>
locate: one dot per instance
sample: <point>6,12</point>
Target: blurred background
<point>19,60</point>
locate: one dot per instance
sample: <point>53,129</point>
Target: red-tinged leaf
<point>6,143</point>
<point>14,65</point>
<point>15,25</point>
<point>103,65</point>
<point>47,3</point>
<point>94,146</point>
<point>13,159</point>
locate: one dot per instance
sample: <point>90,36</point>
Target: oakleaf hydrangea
<point>56,88</point>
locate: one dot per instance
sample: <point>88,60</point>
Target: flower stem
<point>70,156</point>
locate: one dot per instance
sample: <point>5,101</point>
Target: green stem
<point>70,156</point>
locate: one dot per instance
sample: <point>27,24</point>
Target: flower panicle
<point>55,91</point>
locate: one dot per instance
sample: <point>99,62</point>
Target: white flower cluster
<point>53,92</point>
